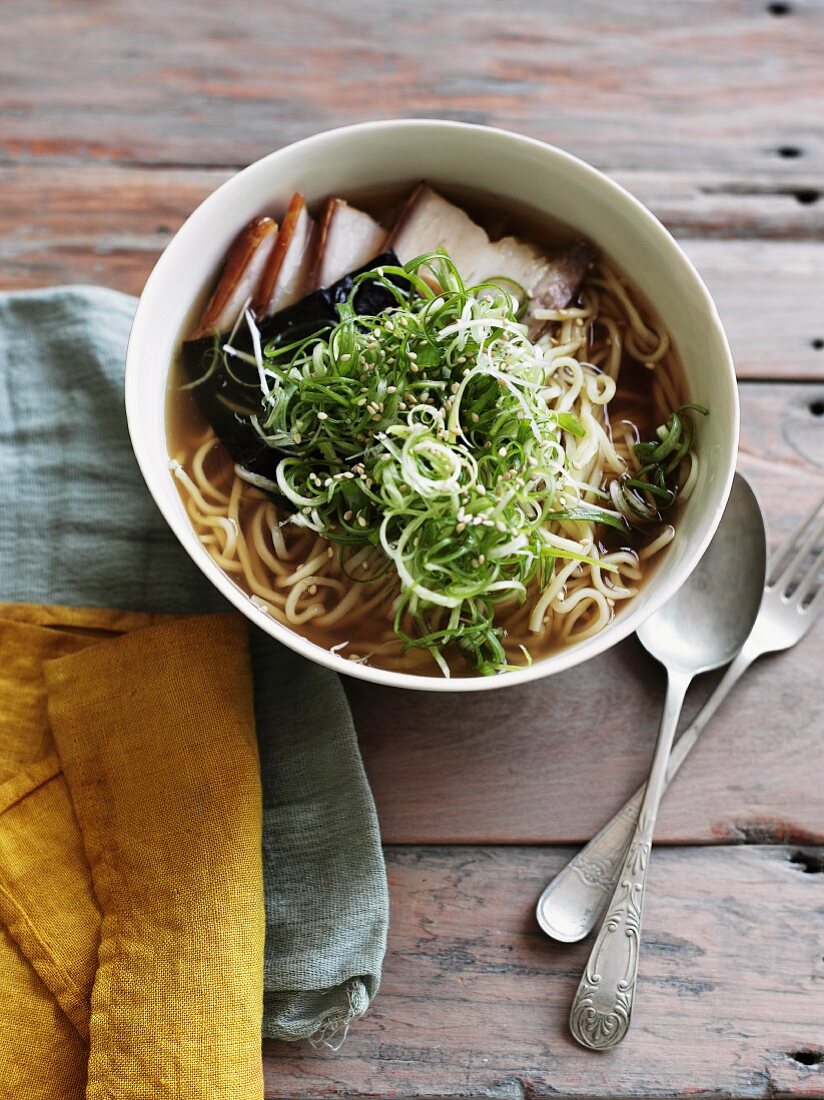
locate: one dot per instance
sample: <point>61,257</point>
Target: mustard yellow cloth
<point>131,893</point>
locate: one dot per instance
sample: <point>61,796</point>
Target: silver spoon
<point>701,628</point>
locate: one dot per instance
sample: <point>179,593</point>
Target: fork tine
<point>810,579</point>
<point>815,604</point>
<point>796,562</point>
<point>786,547</point>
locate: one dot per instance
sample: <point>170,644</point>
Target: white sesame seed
<point>502,452</point>
<point>348,515</point>
<point>501,526</point>
<point>323,416</point>
<point>297,437</point>
<point>461,527</point>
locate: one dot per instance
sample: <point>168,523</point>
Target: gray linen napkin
<point>79,528</point>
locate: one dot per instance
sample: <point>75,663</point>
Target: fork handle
<point>572,904</point>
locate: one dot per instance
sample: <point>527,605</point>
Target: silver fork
<point>573,903</point>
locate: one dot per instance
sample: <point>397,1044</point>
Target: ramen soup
<point>428,437</point>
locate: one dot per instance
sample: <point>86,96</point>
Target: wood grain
<point>120,116</point>
<point>550,761</point>
<point>107,224</point>
<point>708,85</point>
<point>474,998</point>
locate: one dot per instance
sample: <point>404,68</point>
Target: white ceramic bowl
<point>501,163</point>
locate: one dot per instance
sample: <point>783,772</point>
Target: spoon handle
<point>602,1008</point>
<point>572,904</point>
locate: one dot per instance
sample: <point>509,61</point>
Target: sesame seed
<point>348,515</point>
<point>312,590</point>
<point>391,389</point>
<point>501,526</point>
<point>475,418</point>
<point>414,368</point>
<point>345,357</point>
<point>297,437</point>
<point>323,416</point>
<point>502,452</point>
<point>362,521</point>
<point>461,527</point>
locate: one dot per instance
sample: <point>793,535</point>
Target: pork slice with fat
<point>286,276</point>
<point>347,239</point>
<point>428,221</point>
<point>245,262</point>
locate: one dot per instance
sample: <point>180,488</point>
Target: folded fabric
<point>130,862</point>
<point>80,528</point>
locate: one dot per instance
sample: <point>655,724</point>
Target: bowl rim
<point>154,467</point>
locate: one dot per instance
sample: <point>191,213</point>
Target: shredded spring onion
<point>423,431</point>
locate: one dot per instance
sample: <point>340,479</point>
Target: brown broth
<point>633,401</point>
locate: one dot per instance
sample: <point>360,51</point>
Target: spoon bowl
<point>707,621</point>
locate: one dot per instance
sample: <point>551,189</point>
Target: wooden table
<point>119,117</point>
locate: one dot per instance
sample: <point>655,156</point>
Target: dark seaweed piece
<point>229,400</point>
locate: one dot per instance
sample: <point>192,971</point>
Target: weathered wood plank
<point>550,761</point>
<point>107,224</point>
<point>474,999</point>
<point>712,85</point>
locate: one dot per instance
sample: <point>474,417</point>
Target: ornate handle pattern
<point>572,904</point>
<point>602,1008</point>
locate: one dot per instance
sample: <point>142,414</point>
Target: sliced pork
<point>286,277</point>
<point>429,221</point>
<point>240,276</point>
<point>347,239</point>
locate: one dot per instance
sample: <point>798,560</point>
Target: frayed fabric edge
<point>331,1030</point>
